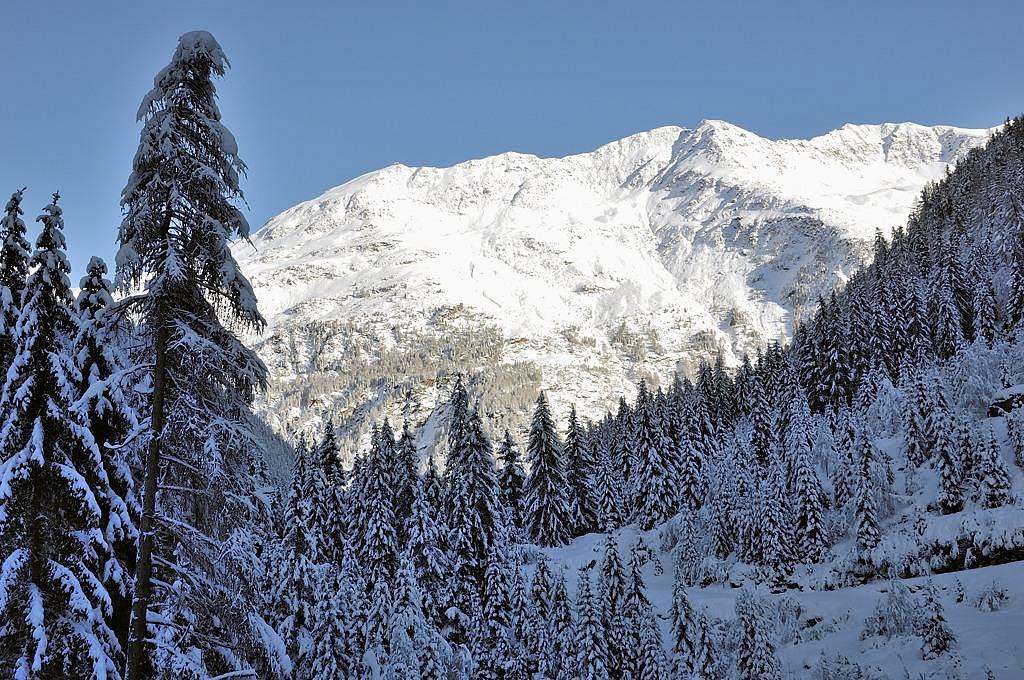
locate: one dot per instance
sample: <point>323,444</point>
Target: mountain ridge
<point>631,261</point>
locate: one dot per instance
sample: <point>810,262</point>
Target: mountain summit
<point>593,270</point>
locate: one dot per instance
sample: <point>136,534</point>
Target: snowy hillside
<point>578,274</point>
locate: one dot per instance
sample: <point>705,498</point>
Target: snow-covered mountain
<point>578,274</point>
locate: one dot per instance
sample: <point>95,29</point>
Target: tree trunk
<point>144,566</point>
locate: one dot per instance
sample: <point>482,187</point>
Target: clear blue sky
<point>323,91</point>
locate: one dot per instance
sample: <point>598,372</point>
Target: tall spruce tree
<point>406,466</point>
<point>108,408</point>
<point>59,510</point>
<point>547,503</point>
<point>655,474</point>
<point>377,540</point>
<point>179,217</point>
<point>425,553</point>
<point>611,601</point>
<point>476,513</point>
<point>512,479</point>
<point>580,463</point>
<point>867,533</point>
<point>590,641</point>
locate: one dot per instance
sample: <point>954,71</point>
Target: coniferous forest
<point>142,536</point>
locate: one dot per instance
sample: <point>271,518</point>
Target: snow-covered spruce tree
<point>948,333</point>
<point>867,533</point>
<point>417,649</point>
<point>812,534</point>
<point>325,484</point>
<point>950,470</point>
<point>476,520</point>
<point>757,658</point>
<point>377,538</point>
<point>775,525</point>
<point>405,474</point>
<point>689,472</point>
<point>107,407</point>
<point>14,256</point>
<point>608,493</point>
<point>654,487</point>
<point>494,614</point>
<point>590,641</point>
<point>175,264</point>
<point>425,552</point>
<point>540,591</point>
<point>560,650</point>
<point>336,639</point>
<point>611,602</point>
<point>1015,434</point>
<point>682,656</point>
<point>936,637</point>
<point>1015,303</point>
<point>986,306</point>
<point>297,572</point>
<point>580,462</point>
<point>512,479</point>
<point>547,502</point>
<point>636,591</point>
<point>646,657</point>
<point>995,487</point>
<point>58,507</point>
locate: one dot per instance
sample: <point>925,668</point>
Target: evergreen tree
<point>611,599</point>
<point>178,221</point>
<point>1015,303</point>
<point>325,481</point>
<point>776,525</point>
<point>417,649</point>
<point>868,536</point>
<point>405,474</point>
<point>950,471</point>
<point>580,463</point>
<point>647,657</point>
<point>477,515</point>
<point>298,574</point>
<point>810,525</point>
<point>757,657</point>
<point>14,257</point>
<point>704,660</point>
<point>590,641</point>
<point>654,475</point>
<point>607,485</point>
<point>425,552</point>
<point>682,648</point>
<point>560,652</point>
<point>107,407</point>
<point>512,479</point>
<point>935,633</point>
<point>547,503</point>
<point>995,485</point>
<point>54,605</point>
<point>377,540</point>
<point>987,308</point>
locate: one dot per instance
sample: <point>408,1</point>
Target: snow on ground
<point>986,640</point>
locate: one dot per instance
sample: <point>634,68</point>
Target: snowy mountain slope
<point>588,271</point>
<point>818,619</point>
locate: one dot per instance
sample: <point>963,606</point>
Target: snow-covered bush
<point>836,667</point>
<point>992,597</point>
<point>894,614</point>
